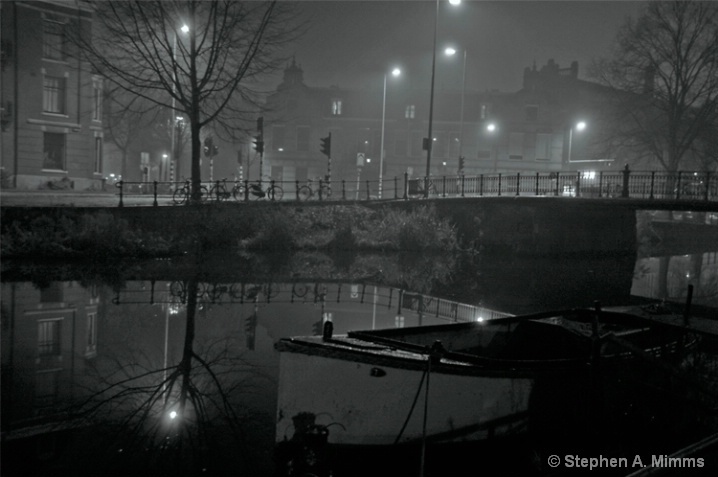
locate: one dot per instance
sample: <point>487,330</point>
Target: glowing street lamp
<point>395,72</point>
<point>579,126</point>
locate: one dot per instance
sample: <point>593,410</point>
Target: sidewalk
<point>70,198</point>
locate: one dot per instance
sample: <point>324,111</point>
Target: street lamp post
<point>451,52</point>
<point>394,72</point>
<point>173,149</point>
<point>430,140</point>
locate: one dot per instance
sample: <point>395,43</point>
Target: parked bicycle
<point>182,194</point>
<point>219,191</point>
<point>256,191</point>
<point>416,187</point>
<point>318,187</point>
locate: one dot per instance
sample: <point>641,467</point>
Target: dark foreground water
<point>96,359</point>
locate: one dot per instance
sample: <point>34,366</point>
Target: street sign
<point>360,159</point>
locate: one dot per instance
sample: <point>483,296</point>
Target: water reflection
<point>170,368</point>
<point>668,278</point>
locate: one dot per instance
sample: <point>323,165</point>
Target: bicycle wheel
<point>255,193</point>
<point>326,192</point>
<point>203,193</point>
<point>275,192</point>
<point>180,196</point>
<point>304,193</point>
<point>219,193</point>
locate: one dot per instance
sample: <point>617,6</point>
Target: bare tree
<point>664,71</point>
<point>205,58</point>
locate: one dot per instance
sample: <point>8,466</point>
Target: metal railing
<point>681,185</point>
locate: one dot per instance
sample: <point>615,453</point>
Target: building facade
<point>51,104</point>
<point>535,129</point>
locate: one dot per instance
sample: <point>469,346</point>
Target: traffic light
<point>326,146</point>
<point>259,144</point>
<point>260,125</point>
<point>462,162</point>
<point>208,146</point>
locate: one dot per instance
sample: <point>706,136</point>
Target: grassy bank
<point>334,228</point>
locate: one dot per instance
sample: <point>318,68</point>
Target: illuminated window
<point>336,107</point>
<point>53,95</point>
<point>410,112</point>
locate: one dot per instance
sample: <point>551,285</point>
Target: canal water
<point>169,367</point>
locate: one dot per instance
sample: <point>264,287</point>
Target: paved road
<point>61,198</point>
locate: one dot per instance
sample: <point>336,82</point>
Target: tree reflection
<point>183,418</point>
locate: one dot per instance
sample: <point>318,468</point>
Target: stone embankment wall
<point>530,226</point>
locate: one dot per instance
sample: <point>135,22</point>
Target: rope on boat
<point>413,405</point>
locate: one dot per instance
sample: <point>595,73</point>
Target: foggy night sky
<point>351,43</point>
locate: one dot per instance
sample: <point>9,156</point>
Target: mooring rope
<point>413,405</point>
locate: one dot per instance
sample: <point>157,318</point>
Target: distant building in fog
<point>526,131</point>
<point>51,113</point>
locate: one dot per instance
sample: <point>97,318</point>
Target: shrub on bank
<point>337,228</point>
<point>91,236</point>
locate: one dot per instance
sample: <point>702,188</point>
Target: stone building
<point>51,105</point>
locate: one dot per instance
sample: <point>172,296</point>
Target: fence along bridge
<point>681,186</point>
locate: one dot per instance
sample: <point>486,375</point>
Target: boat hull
<point>365,403</point>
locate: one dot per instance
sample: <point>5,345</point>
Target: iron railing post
<point>577,193</point>
<point>653,182</point>
<point>558,180</point>
<point>626,178</point>
<point>119,186</point>
<point>518,183</point>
